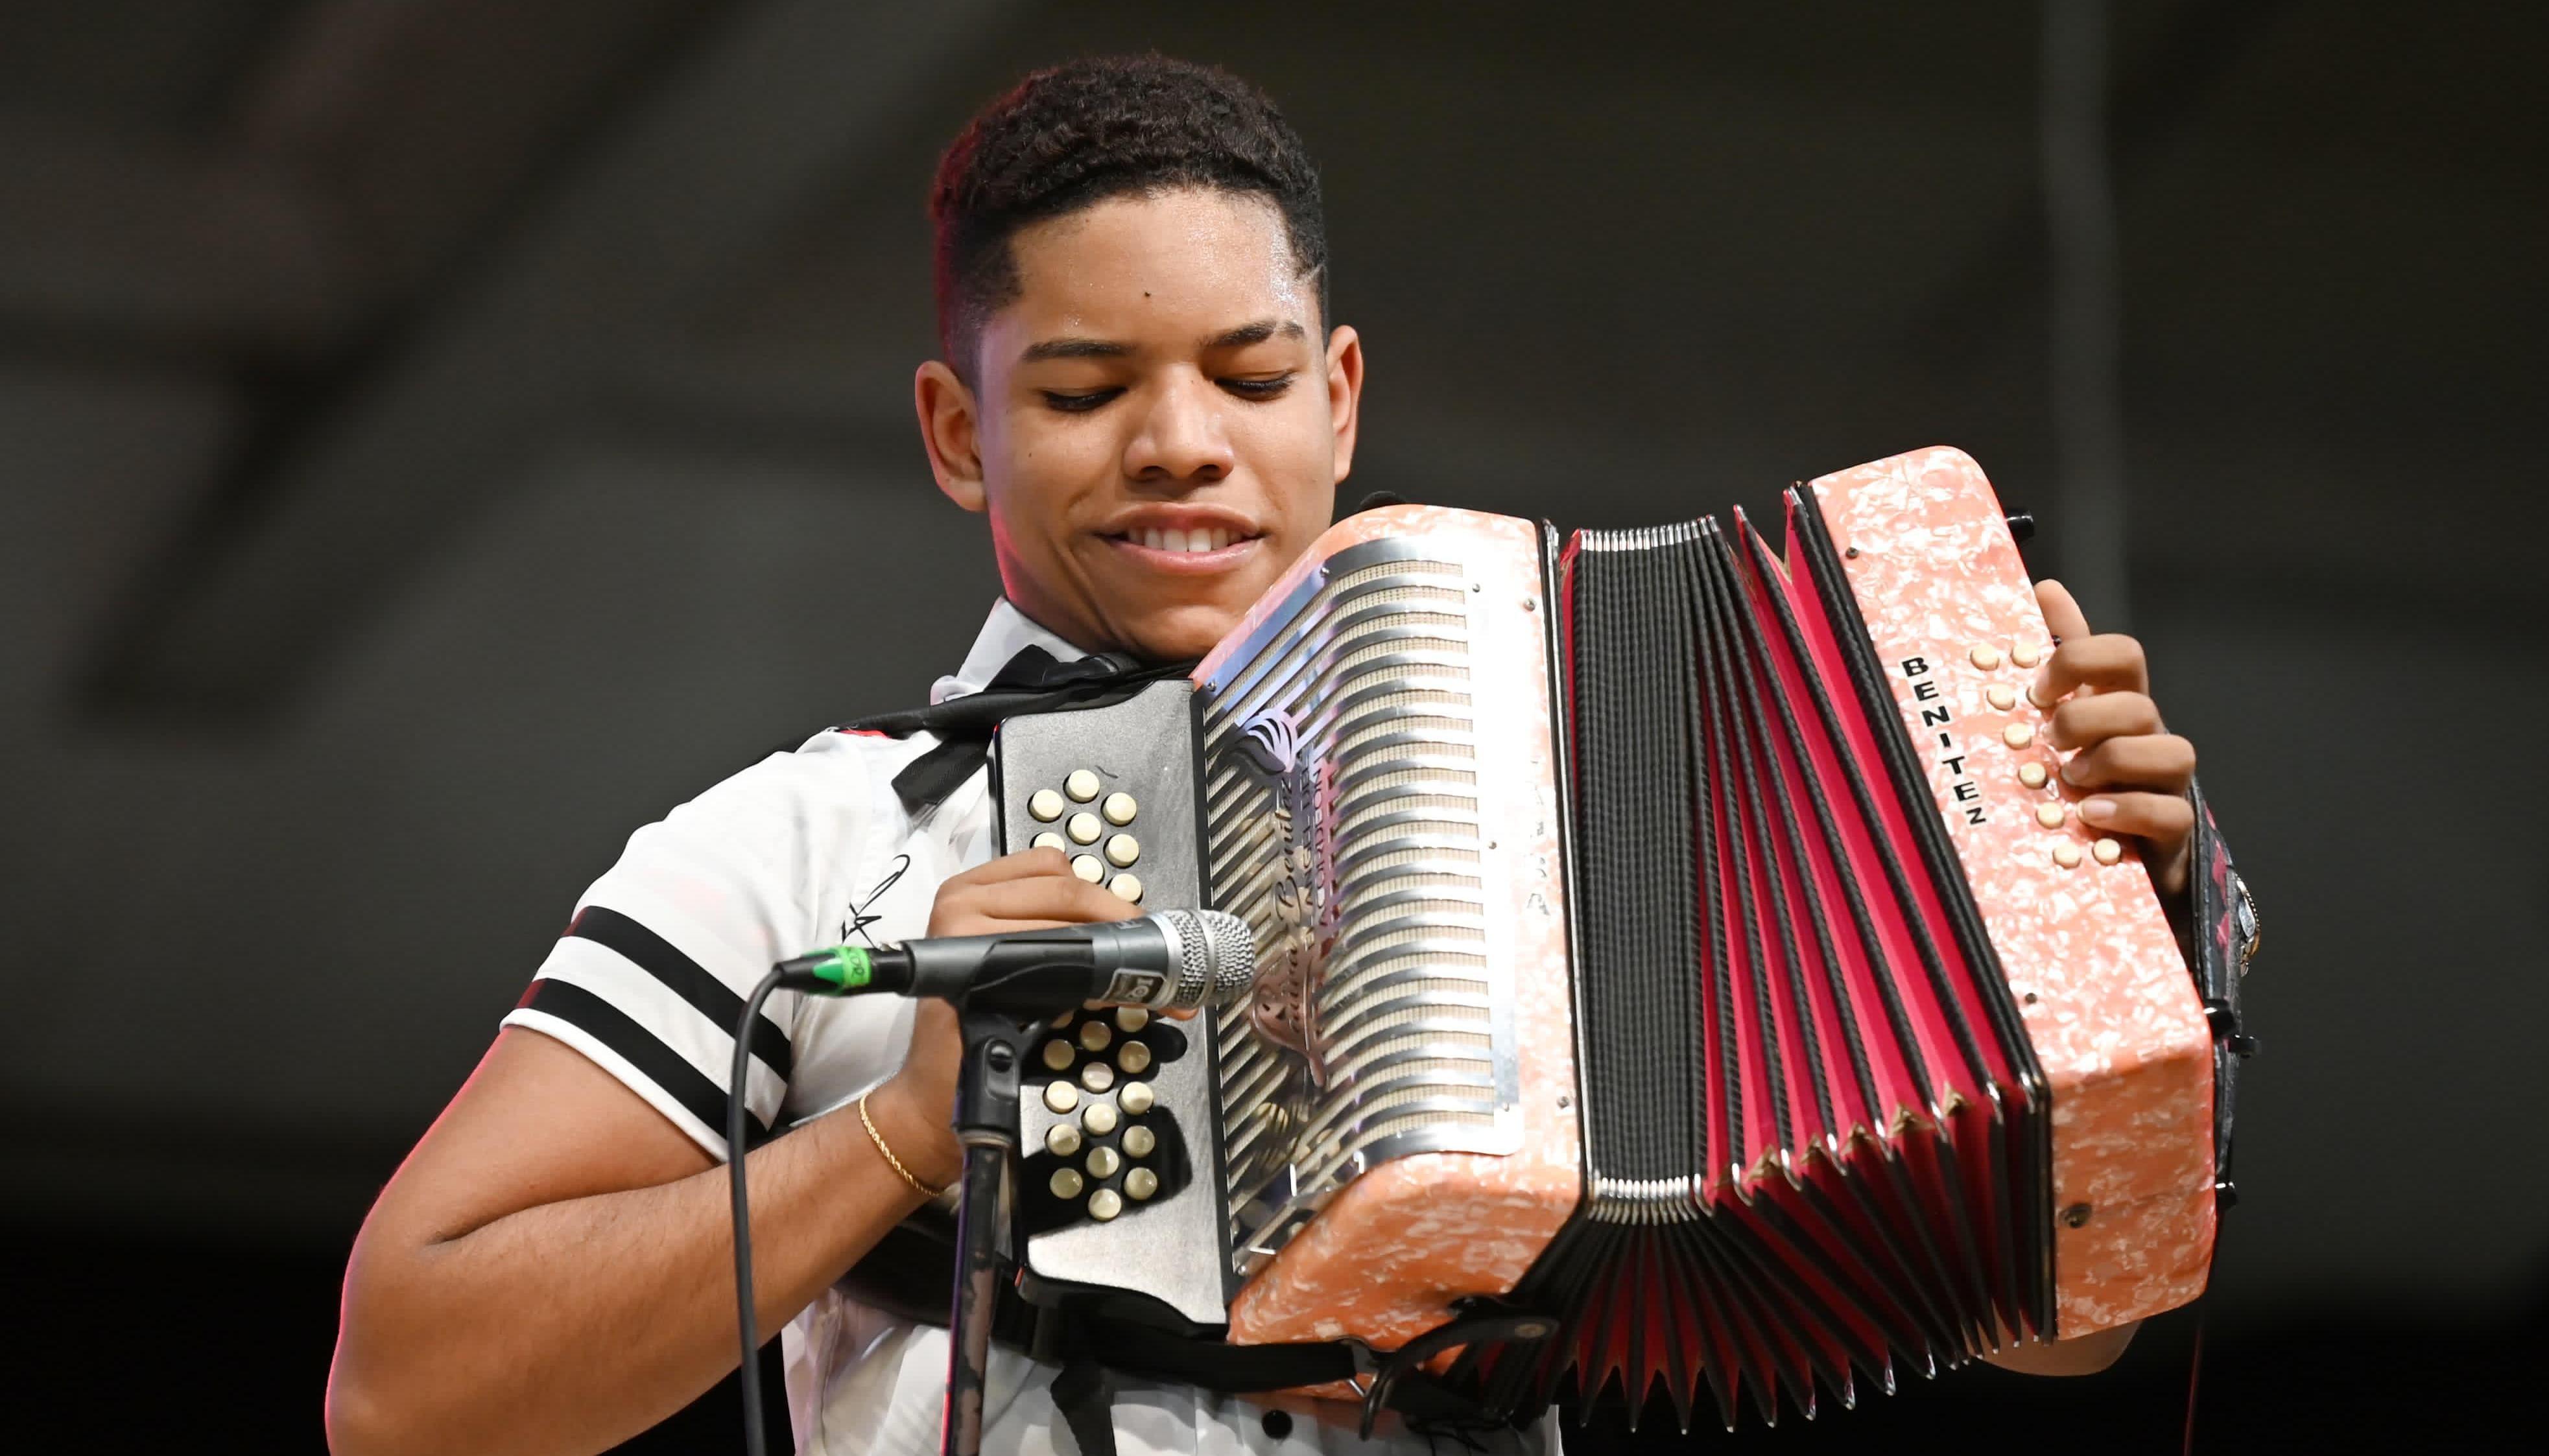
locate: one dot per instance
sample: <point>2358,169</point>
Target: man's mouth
<point>1199,540</point>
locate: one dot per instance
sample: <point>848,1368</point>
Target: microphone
<point>1173,960</point>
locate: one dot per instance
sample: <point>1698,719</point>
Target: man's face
<point>1157,427</point>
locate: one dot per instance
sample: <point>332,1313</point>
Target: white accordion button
<point>1083,829</point>
<point>1120,808</point>
<point>1104,1162</point>
<point>1100,1119</point>
<point>1058,1054</point>
<point>1137,1098</point>
<point>1088,867</point>
<point>2106,851</point>
<point>2067,855</point>
<point>1127,887</point>
<point>1140,1142</point>
<point>1065,1183</point>
<point>1062,1140</point>
<point>2049,815</point>
<point>2025,654</point>
<point>1081,785</point>
<point>1131,1018</point>
<point>1135,1059</point>
<point>2001,696</point>
<point>1122,850</point>
<point>1140,1184</point>
<point>2018,735</point>
<point>2034,776</point>
<point>1985,656</point>
<point>1098,1076</point>
<point>1095,1035</point>
<point>1045,805</point>
<point>1048,841</point>
<point>1106,1204</point>
<point>1061,1096</point>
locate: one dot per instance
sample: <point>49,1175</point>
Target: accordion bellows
<point>1680,950</point>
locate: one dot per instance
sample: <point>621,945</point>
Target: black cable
<point>754,1438</point>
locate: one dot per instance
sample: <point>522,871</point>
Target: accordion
<point>1678,967</point>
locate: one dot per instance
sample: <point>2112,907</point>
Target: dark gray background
<point>437,437</point>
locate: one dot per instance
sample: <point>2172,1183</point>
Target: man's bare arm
<point>550,1271</point>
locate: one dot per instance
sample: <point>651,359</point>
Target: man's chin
<point>1177,633</point>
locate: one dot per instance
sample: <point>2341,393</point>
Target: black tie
<point>1030,683</point>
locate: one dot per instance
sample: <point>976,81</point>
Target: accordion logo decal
<point>1284,1005</point>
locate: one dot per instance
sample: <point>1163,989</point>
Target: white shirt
<point>800,850</point>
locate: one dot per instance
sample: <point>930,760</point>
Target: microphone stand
<point>986,1123</point>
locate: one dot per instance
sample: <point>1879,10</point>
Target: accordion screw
<point>2075,1215</point>
<point>1106,1204</point>
<point>1120,808</point>
<point>2001,697</point>
<point>1058,1054</point>
<point>1045,804</point>
<point>1081,784</point>
<point>2018,735</point>
<point>1140,1142</point>
<point>1140,1184</point>
<point>1131,1018</point>
<point>1122,850</point>
<point>1100,1119</point>
<point>1851,553</point>
<point>1137,1098</point>
<point>2034,776</point>
<point>1088,867</point>
<point>1985,656</point>
<point>1061,1096</point>
<point>1104,1162</point>
<point>1048,841</point>
<point>1083,829</point>
<point>1135,1059</point>
<point>2106,851</point>
<point>1530,605</point>
<point>1127,887</point>
<point>1062,1140</point>
<point>1065,1183</point>
<point>1095,1035</point>
<point>1098,1076</point>
<point>2025,654</point>
<point>2067,855</point>
<point>2049,815</point>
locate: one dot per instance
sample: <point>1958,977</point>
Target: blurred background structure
<point>437,436</point>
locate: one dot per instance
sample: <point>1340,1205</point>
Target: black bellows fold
<point>1815,1134</point>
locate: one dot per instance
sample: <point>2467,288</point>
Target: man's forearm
<point>571,1325</point>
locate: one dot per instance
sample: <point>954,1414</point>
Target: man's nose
<point>1181,437</point>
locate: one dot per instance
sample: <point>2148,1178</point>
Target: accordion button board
<point>1117,1201</point>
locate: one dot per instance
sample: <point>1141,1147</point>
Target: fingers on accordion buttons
<point>1130,1019</point>
<point>1106,1204</point>
<point>1048,841</point>
<point>1120,808</point>
<point>1095,1035</point>
<point>1058,1054</point>
<point>1140,1142</point>
<point>1137,1098</point>
<point>1067,1183</point>
<point>1122,850</point>
<point>2001,696</point>
<point>1100,1119</point>
<point>1045,805</point>
<point>1140,1184</point>
<point>1088,867</point>
<point>2049,815</point>
<point>1062,1140</point>
<point>1127,887</point>
<point>1098,1076</point>
<point>2067,855</point>
<point>2107,851</point>
<point>1081,784</point>
<point>1104,1162</point>
<point>1084,827</point>
<point>2034,776</point>
<point>1134,1059</point>
<point>1061,1096</point>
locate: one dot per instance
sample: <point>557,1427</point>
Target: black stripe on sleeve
<point>701,1096</point>
<point>686,978</point>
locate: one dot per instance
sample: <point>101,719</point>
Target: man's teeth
<point>1201,538</point>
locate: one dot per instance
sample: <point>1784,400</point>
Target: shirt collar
<point>1006,633</point>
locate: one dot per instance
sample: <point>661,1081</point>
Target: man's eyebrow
<point>1256,333</point>
<point>1074,348</point>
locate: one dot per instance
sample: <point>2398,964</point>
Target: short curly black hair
<point>1105,127</point>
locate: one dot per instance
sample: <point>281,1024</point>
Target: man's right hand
<point>1030,891</point>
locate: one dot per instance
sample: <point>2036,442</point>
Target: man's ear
<point>951,430</point>
<point>1345,392</point>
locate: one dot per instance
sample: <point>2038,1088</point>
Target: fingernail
<point>2071,770</point>
<point>2036,688</point>
<point>2097,809</point>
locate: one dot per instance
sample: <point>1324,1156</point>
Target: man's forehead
<point>1189,262</point>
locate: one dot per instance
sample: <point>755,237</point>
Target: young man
<point>1143,392</point>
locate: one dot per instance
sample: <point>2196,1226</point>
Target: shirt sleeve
<point>653,974</point>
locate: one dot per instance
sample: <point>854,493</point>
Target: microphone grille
<point>1216,952</point>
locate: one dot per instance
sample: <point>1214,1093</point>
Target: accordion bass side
<point>1683,946</point>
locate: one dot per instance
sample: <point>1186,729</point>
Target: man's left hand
<point>2134,773</point>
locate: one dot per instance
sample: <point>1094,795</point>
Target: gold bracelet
<point>877,1137</point>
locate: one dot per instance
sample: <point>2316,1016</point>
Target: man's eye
<point>1259,389</point>
<point>1072,401</point>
